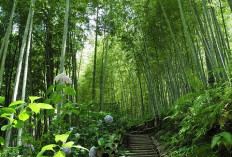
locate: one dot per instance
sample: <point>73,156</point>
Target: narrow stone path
<point>140,146</point>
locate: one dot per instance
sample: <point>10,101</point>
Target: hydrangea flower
<point>67,150</point>
<point>108,119</point>
<point>29,146</point>
<point>93,152</point>
<point>62,78</point>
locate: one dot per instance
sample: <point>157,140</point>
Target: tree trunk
<point>74,62</point>
<point>230,4</point>
<point>62,58</point>
<point>5,43</point>
<point>95,61</point>
<point>19,140</point>
<point>104,75</point>
<point>18,72</point>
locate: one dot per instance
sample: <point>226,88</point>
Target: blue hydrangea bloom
<point>108,119</point>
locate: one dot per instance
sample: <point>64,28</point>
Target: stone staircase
<point>140,146</point>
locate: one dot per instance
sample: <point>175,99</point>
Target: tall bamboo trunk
<point>95,61</point>
<point>4,46</point>
<point>104,75</point>
<point>19,138</point>
<point>18,72</point>
<point>62,58</point>
<point>230,4</point>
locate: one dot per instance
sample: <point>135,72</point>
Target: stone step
<point>147,146</point>
<point>140,146</point>
<point>142,149</point>
<point>147,153</point>
<point>140,139</point>
<point>135,141</point>
<point>153,155</point>
<point>143,152</point>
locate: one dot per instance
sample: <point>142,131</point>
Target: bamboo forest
<point>115,78</point>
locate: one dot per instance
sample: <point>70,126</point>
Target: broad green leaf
<point>50,89</point>
<point>24,116</point>
<point>47,101</point>
<point>215,141</point>
<point>80,147</point>
<point>40,154</point>
<point>21,106</point>
<point>44,106</point>
<point>33,98</point>
<point>4,127</point>
<point>59,87</point>
<point>227,137</point>
<point>101,142</point>
<point>59,154</point>
<point>2,141</point>
<point>56,98</point>
<point>68,144</point>
<point>2,99</point>
<point>16,103</point>
<point>18,124</point>
<point>50,112</point>
<point>34,108</point>
<point>6,115</point>
<point>62,137</point>
<point>5,110</point>
<point>69,91</point>
<point>48,147</point>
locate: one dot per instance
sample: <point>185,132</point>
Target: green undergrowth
<point>138,121</point>
<point>199,124</point>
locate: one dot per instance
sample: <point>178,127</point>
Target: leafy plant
<point>59,153</point>
<point>223,138</point>
<point>25,112</point>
